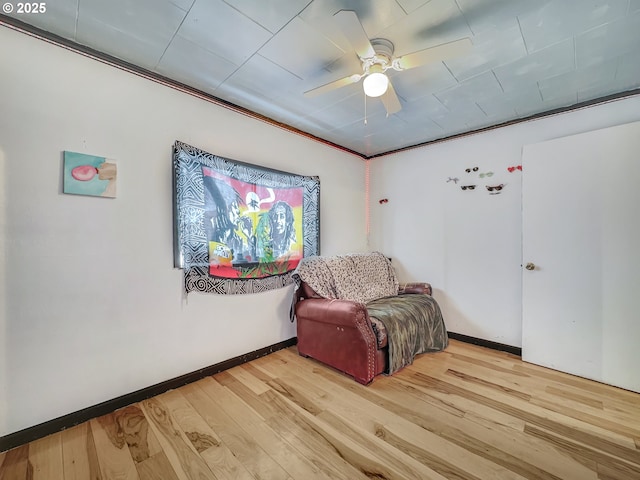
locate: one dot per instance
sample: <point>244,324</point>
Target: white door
<point>581,233</point>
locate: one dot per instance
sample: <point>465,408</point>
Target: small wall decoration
<point>89,175</point>
<point>473,177</point>
<point>495,189</point>
<point>240,228</point>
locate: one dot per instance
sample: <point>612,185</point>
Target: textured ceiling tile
<point>579,80</point>
<point>376,125</point>
<point>552,61</point>
<point>188,62</point>
<point>271,14</point>
<point>528,109</point>
<point>377,134</point>
<point>219,41</point>
<point>628,71</point>
<point>221,29</point>
<point>599,91</point>
<point>116,28</point>
<point>527,100</point>
<point>627,77</point>
<point>183,4</point>
<point>259,75</point>
<point>150,21</point>
<point>120,44</point>
<point>608,41</point>
<point>452,123</point>
<point>300,49</point>
<point>559,102</point>
<point>263,105</point>
<point>349,110</point>
<point>490,50</point>
<point>437,22</point>
<point>490,15</point>
<point>60,18</point>
<point>374,16</point>
<point>422,108</point>
<point>311,105</point>
<point>467,93</point>
<point>411,5</point>
<point>419,82</point>
<point>348,64</point>
<point>562,19</point>
<point>497,110</point>
<point>421,129</point>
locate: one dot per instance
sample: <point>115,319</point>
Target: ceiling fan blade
<point>391,101</point>
<point>434,54</point>
<point>352,28</point>
<point>343,82</point>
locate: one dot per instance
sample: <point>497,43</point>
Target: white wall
<point>468,243</point>
<point>90,306</point>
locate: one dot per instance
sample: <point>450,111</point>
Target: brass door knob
<point>530,266</point>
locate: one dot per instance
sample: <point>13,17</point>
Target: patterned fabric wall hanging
<point>240,228</point>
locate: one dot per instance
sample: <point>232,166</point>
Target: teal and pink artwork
<point>89,175</point>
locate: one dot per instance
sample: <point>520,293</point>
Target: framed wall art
<point>240,228</point>
<point>89,175</point>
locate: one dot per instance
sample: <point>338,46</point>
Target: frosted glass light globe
<point>375,84</point>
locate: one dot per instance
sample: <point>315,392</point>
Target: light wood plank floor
<point>467,413</point>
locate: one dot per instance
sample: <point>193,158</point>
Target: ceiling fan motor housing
<point>384,52</point>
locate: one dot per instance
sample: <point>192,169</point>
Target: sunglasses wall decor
<point>491,189</point>
<point>495,189</point>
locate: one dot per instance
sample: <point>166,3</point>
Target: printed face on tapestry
<point>249,224</point>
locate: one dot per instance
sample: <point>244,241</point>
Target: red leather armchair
<point>341,334</point>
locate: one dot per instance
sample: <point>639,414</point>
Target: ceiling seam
<point>257,51</point>
<point>524,40</point>
<point>75,23</point>
<point>498,80</point>
<point>466,20</point>
<point>186,14</point>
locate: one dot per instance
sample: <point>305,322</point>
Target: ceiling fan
<point>376,56</point>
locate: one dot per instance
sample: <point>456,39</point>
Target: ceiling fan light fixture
<point>375,84</point>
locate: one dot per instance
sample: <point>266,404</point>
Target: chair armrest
<point>333,312</point>
<point>416,287</point>
<point>338,333</point>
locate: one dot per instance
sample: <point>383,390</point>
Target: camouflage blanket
<point>414,325</point>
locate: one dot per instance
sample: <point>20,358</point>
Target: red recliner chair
<point>341,333</point>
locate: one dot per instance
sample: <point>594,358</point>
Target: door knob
<point>530,266</point>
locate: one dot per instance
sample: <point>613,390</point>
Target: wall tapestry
<point>89,175</point>
<point>240,228</point>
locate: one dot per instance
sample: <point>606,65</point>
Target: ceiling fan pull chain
<point>365,109</point>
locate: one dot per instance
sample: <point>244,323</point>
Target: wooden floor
<point>466,413</point>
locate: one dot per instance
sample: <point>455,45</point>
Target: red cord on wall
<point>366,199</point>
